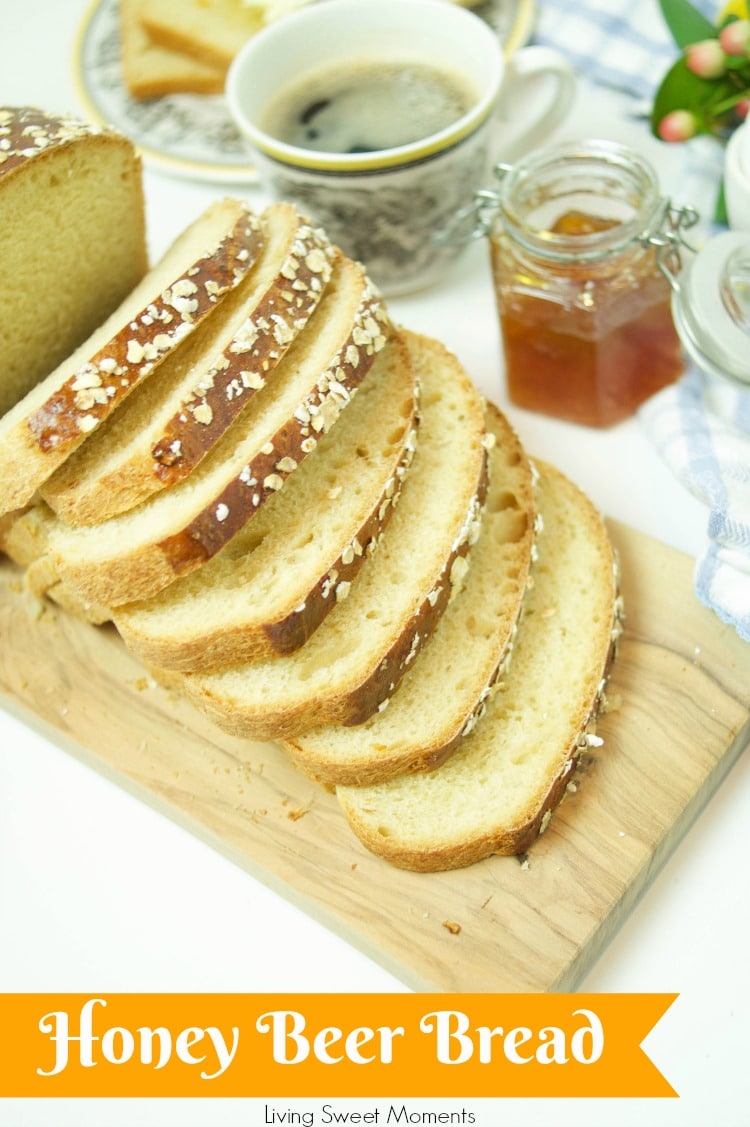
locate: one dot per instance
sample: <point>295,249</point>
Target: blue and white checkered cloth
<point>623,45</point>
<point>626,46</point>
<point>707,445</point>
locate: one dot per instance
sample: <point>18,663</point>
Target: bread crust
<point>254,633</point>
<point>30,133</point>
<point>50,166</point>
<point>38,438</point>
<point>360,691</point>
<point>375,753</point>
<point>451,848</point>
<point>139,571</point>
<point>203,413</point>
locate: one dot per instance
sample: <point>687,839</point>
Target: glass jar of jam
<point>576,247</point>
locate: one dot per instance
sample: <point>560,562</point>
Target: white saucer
<point>192,135</point>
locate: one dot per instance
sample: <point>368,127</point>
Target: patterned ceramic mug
<point>384,201</point>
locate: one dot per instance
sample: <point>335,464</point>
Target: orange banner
<point>361,1045</point>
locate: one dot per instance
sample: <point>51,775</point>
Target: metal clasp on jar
<point>477,220</point>
<point>667,236</point>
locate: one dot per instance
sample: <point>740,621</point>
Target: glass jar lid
<point>711,307</point>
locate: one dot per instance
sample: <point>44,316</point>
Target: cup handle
<point>544,77</point>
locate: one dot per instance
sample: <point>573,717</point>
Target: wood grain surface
<point>682,689</point>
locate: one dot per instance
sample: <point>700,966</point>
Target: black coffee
<point>367,105</point>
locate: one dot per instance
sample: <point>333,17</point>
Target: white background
<point>98,893</point>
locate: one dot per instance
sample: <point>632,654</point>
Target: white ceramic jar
<point>737,178</point>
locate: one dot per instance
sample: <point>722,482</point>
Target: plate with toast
<point>156,72</point>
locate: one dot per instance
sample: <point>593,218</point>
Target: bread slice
<point>133,556</point>
<point>274,583</point>
<point>353,661</point>
<point>153,71</point>
<point>24,537</point>
<point>211,31</point>
<point>54,418</point>
<point>167,426</point>
<point>496,793</point>
<point>67,189</point>
<point>443,692</point>
<point>24,533</point>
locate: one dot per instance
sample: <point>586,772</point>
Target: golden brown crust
<point>57,415</point>
<point>242,365</point>
<point>374,758</point>
<point>360,691</point>
<point>148,568</point>
<point>292,628</point>
<point>28,133</point>
<point>356,702</point>
<point>227,387</point>
<point>94,391</point>
<point>452,849</point>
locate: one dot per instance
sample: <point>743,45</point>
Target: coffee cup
<point>380,119</point>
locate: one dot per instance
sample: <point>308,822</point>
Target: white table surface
<point>100,893</point>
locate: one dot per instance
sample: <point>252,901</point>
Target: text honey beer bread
<point>55,417</point>
<point>496,792</point>
<point>167,426</point>
<point>273,584</point>
<point>352,663</point>
<point>442,694</point>
<point>137,554</point>
<point>67,189</point>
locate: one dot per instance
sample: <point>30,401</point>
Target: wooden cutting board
<point>682,680</point>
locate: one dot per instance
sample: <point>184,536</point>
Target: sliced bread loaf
<point>67,189</point>
<point>274,583</point>
<point>496,792</point>
<point>353,661</point>
<point>443,691</point>
<point>137,554</point>
<point>54,417</point>
<point>167,426</point>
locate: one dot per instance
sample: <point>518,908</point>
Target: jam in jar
<point>584,307</point>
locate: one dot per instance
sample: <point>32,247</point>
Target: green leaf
<point>686,23</point>
<point>720,207</point>
<point>681,90</point>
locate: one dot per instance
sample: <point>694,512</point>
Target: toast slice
<point>496,793</point>
<point>353,661</point>
<point>274,583</point>
<point>24,538</point>
<point>54,418</point>
<point>133,556</point>
<point>211,31</point>
<point>167,426</point>
<point>152,71</point>
<point>444,690</point>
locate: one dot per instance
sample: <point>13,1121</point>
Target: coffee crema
<point>367,105</point>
